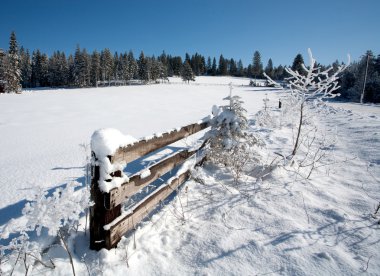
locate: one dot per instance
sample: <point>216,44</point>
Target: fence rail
<point>107,222</point>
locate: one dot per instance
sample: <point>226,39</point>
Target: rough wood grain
<point>141,148</point>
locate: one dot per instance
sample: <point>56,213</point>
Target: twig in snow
<point>304,207</point>
<point>366,268</point>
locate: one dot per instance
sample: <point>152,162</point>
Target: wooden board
<point>114,235</point>
<point>136,183</point>
<point>141,148</point>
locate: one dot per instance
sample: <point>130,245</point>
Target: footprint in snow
<point>323,255</point>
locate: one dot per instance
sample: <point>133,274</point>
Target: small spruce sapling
<point>231,144</point>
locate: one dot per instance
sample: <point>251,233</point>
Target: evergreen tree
<point>187,72</point>
<point>117,67</point>
<point>164,66</point>
<point>257,66</point>
<point>63,69</point>
<point>81,68</point>
<point>269,70</point>
<point>40,69</point>
<point>202,66</point>
<point>125,70</point>
<point>57,70</point>
<point>222,68</point>
<point>163,73</point>
<point>44,71</point>
<point>187,58</point>
<point>297,64</point>
<point>71,66</point>
<point>232,67</point>
<point>13,72</point>
<point>53,70</point>
<point>213,68</point>
<point>95,68</point>
<point>106,65</point>
<point>249,71</point>
<point>155,69</point>
<point>240,68</point>
<point>144,70</point>
<point>133,67</point>
<point>279,73</point>
<point>208,66</point>
<point>26,68</point>
<point>176,65</point>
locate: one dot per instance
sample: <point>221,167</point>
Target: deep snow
<point>275,225</point>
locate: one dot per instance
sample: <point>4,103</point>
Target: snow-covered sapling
<point>231,144</point>
<point>312,87</point>
<point>60,210</point>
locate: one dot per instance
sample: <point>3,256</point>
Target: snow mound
<point>106,141</point>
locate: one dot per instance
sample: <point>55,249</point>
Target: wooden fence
<point>107,223</point>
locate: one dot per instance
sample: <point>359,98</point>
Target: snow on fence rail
<point>110,187</point>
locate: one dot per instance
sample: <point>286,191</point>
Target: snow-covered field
<point>275,225</point>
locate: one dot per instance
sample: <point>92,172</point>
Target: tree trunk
<point>299,131</point>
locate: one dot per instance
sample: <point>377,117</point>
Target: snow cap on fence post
<point>104,143</point>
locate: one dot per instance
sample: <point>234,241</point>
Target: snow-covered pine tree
<point>81,68</point>
<point>53,70</point>
<point>71,67</point>
<point>231,145</point>
<point>106,64</point>
<point>95,68</point>
<point>155,69</point>
<point>125,70</point>
<point>133,67</point>
<point>13,72</point>
<point>116,68</point>
<point>63,69</point>
<point>187,72</point>
<point>163,72</point>
<point>44,70</point>
<point>25,67</point>
<point>144,68</point>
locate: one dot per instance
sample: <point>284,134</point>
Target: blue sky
<point>278,29</point>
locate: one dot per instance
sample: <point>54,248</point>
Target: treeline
<point>20,68</point>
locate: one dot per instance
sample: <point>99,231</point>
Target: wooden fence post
<point>100,214</point>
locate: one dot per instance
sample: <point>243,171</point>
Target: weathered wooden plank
<point>136,183</point>
<point>115,233</point>
<point>141,148</point>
